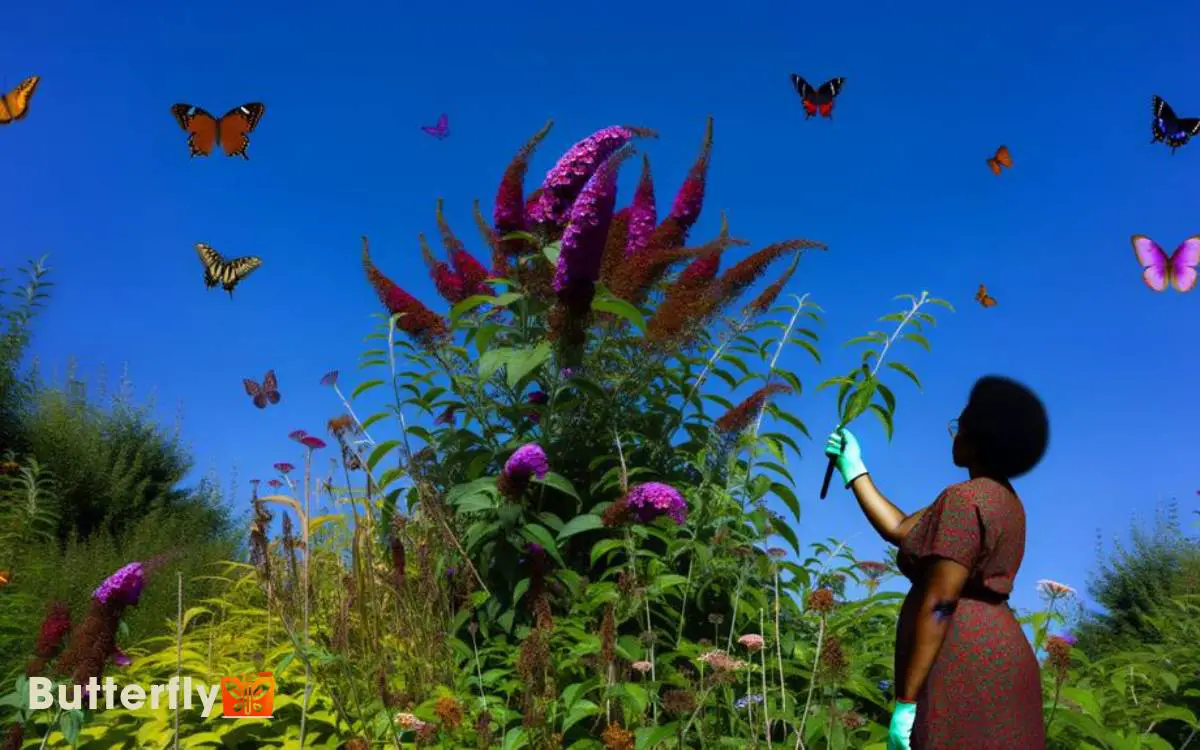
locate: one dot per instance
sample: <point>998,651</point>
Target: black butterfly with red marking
<point>263,394</point>
<point>231,131</point>
<point>818,101</point>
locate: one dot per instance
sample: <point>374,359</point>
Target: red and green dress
<point>984,691</point>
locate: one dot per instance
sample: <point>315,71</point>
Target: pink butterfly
<point>439,131</point>
<point>263,394</point>
<point>1178,270</point>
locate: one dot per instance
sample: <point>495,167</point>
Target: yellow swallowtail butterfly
<point>227,273</point>
<point>15,104</point>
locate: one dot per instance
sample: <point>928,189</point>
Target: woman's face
<point>962,451</point>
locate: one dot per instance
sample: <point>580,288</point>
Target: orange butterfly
<point>15,104</point>
<point>5,577</point>
<point>983,298</point>
<point>231,131</point>
<point>1002,159</point>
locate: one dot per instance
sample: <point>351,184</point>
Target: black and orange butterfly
<point>15,104</point>
<point>1003,158</point>
<point>983,298</point>
<point>818,101</point>
<point>267,393</point>
<point>227,273</point>
<point>231,131</point>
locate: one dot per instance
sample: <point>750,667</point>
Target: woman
<point>966,677</point>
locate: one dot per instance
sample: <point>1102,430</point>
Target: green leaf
<point>917,338</point>
<point>379,451</point>
<point>884,417</point>
<point>558,482</point>
<point>650,737</point>
<point>782,529</point>
<point>902,368</point>
<point>941,302</point>
<point>524,361</point>
<point>621,309</point>
<point>552,251</point>
<point>579,711</point>
<point>469,304</point>
<point>580,524</point>
<point>539,534</point>
<point>492,360</point>
<point>363,388</point>
<point>788,497</point>
<point>518,235</point>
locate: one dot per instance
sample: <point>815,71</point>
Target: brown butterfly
<point>1002,159</point>
<point>983,298</point>
<point>15,104</point>
<point>231,131</point>
<point>263,394</point>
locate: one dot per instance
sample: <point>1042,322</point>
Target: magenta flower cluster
<point>653,499</point>
<point>643,214</point>
<point>568,177</point>
<point>123,587</point>
<point>526,461</point>
<point>583,240</point>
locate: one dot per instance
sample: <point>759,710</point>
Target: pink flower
<point>653,499</point>
<point>297,435</point>
<point>642,666</point>
<point>528,460</point>
<point>124,586</point>
<point>751,641</point>
<point>690,199</point>
<point>1053,589</point>
<point>583,240</point>
<point>120,658</point>
<point>284,468</point>
<point>329,378</point>
<point>643,214</point>
<point>312,443</point>
<point>568,177</point>
<point>508,213</point>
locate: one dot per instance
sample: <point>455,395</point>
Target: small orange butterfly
<point>1002,159</point>
<point>983,298</point>
<point>5,577</point>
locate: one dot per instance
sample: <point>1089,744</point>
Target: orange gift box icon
<point>252,698</point>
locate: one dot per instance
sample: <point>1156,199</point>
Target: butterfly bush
<point>583,240</point>
<point>124,586</point>
<point>642,213</point>
<point>650,500</point>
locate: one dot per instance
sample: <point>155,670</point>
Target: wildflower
<point>1058,654</point>
<point>527,461</point>
<point>584,237</point>
<point>884,686</point>
<point>767,297</point>
<point>685,210</point>
<point>820,600</point>
<point>777,552</point>
<point>120,658</point>
<point>689,300</point>
<point>297,435</point>
<point>415,319</point>
<point>716,618</point>
<point>405,720</point>
<point>55,626</point>
<point>739,417</point>
<point>341,425</point>
<point>357,743</point>
<point>470,272</point>
<point>653,499</point>
<point>746,700</point>
<point>329,379</point>
<point>566,372</point>
<point>752,641</point>
<point>565,181</point>
<point>445,280</point>
<point>638,274</point>
<point>722,662</point>
<point>747,271</point>
<point>449,711</point>
<point>616,514</point>
<point>874,570</point>
<point>274,484</point>
<point>1053,589</point>
<point>509,211</point>
<point>835,666</point>
<point>678,702</point>
<point>14,738</point>
<point>641,666</point>
<point>123,587</point>
<point>643,214</point>
<point>615,737</point>
<point>312,443</point>
<point>851,719</point>
<point>608,635</point>
<point>426,734</point>
<point>284,468</point>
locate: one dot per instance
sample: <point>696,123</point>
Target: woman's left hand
<point>900,731</point>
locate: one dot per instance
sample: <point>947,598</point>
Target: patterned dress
<point>984,691</point>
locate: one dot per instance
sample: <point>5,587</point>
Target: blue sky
<point>98,176</point>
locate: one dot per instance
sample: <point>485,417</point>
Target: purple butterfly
<point>439,131</point>
<point>1178,270</point>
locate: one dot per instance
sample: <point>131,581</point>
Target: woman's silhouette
<point>966,676</point>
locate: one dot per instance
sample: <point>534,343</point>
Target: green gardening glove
<point>843,447</point>
<point>900,731</point>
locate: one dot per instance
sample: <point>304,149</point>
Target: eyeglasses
<point>952,427</point>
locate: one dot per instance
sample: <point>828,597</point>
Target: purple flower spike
<point>583,240</point>
<point>329,378</point>
<point>124,586</point>
<point>643,214</point>
<point>568,177</point>
<point>526,461</point>
<point>653,499</point>
<point>120,658</point>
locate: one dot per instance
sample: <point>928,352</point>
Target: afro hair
<point>1006,425</point>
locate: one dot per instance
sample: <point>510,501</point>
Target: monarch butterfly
<point>231,131</point>
<point>15,104</point>
<point>983,298</point>
<point>263,394</point>
<point>1002,159</point>
<point>227,273</point>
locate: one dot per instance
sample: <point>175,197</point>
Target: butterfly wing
<point>826,93</point>
<point>255,392</point>
<point>1004,157</point>
<point>1153,261</point>
<point>213,263</point>
<point>270,387</point>
<point>201,128</point>
<point>15,104</point>
<point>1183,264</point>
<point>439,130</point>
<point>808,95</point>
<point>235,126</point>
<point>994,165</point>
<point>236,270</point>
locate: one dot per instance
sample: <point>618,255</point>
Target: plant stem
<point>812,683</point>
<point>737,598</point>
<point>916,305</point>
<point>687,590</point>
<point>762,628</point>
<point>305,574</point>
<point>50,729</point>
<point>779,647</point>
<point>178,646</point>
